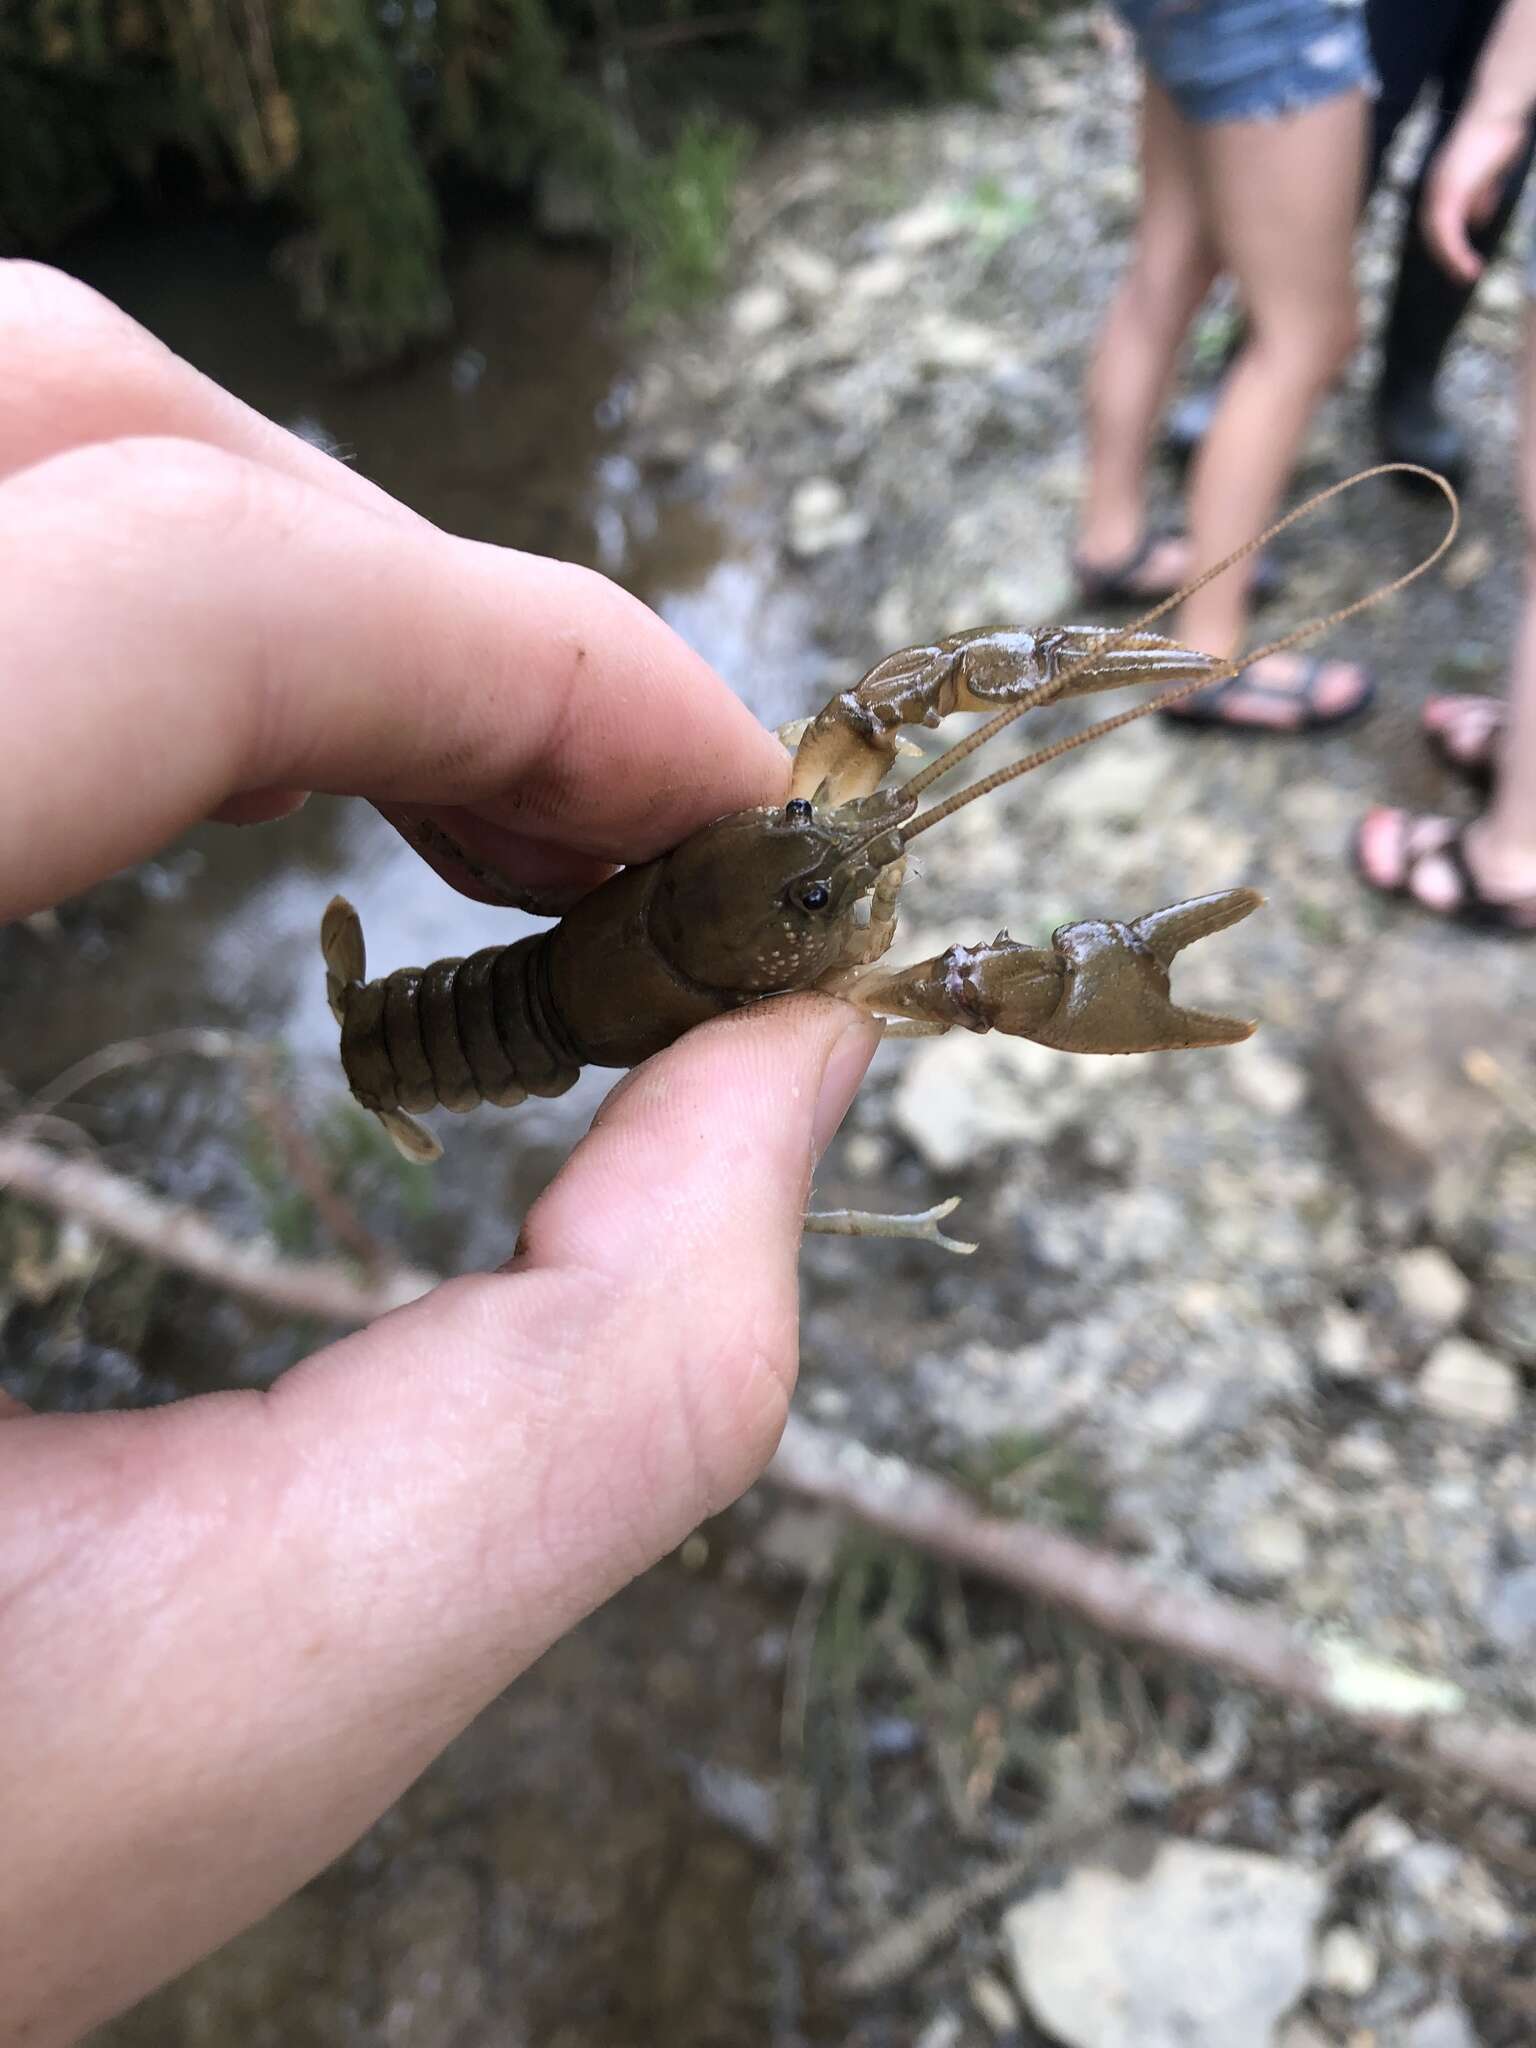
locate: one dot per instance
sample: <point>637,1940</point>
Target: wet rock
<point>1420,1135</point>
<point>1511,1611</point>
<point>1465,1383</point>
<point>880,278</point>
<point>1343,1347</point>
<point>565,208</point>
<point>1432,1291</point>
<point>820,518</point>
<point>1505,1242</point>
<point>1303,2033</point>
<point>430,1946</point>
<point>1444,2025</point>
<point>1106,1960</point>
<point>947,343</point>
<point>994,2006</point>
<point>960,1097</point>
<point>759,310</point>
<point>1347,1963</point>
<point>803,269</point>
<point>1436,1896</point>
<point>1244,1538</point>
<point>1362,1456</point>
<point>1273,1549</point>
<point>746,1805</point>
<point>1274,1086</point>
<point>923,227</point>
<point>944,2030</point>
<point>1108,787</point>
<point>801,1540</point>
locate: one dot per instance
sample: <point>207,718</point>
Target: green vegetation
<point>1019,1473</point>
<point>350,113</point>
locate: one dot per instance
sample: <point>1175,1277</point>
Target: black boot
<point>1410,426</point>
<point>1427,305</point>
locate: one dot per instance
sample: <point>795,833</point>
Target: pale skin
<point>1273,203</point>
<point>232,1631</point>
<point>1397,849</point>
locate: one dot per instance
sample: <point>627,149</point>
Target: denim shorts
<point>1247,60</point>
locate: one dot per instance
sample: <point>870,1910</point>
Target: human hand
<point>232,1630</point>
<point>1464,183</point>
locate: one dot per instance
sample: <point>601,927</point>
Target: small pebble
<point>1346,1962</point>
<point>1466,1383</point>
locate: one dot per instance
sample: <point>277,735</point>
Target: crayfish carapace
<point>803,895</point>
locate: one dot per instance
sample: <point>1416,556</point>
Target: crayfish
<point>803,895</point>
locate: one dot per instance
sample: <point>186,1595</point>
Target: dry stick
<point>1426,1718</point>
<point>893,1956</point>
<point>305,1166</point>
<point>178,1236</point>
<point>1426,1715</point>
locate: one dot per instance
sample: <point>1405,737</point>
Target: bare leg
<point>1398,850</point>
<point>1283,196</point>
<point>1501,846</point>
<point>1171,268</point>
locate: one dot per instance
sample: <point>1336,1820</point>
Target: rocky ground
<point>1280,1301</point>
<point>1265,1319</point>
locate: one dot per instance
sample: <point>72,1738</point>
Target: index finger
<point>181,625</point>
<point>1446,211</point>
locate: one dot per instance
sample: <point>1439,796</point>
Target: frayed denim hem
<point>1268,99</point>
<point>1251,60</point>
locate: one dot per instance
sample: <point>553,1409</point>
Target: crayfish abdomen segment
<point>453,1034</point>
<point>456,1033</point>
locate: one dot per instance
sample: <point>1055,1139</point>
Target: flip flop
<point>1476,768</point>
<point>1471,907</point>
<point>1117,584</point>
<point>1205,710</point>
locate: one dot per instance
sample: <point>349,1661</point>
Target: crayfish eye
<point>798,810</point>
<point>817,897</point>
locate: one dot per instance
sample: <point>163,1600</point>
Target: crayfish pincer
<point>801,895</point>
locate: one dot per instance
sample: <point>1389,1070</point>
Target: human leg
<point>1486,868</point>
<point>1171,267</point>
<point>1282,194</point>
<point>1414,41</point>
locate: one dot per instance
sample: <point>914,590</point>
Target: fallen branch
<point>1426,1719</point>
<point>177,1236</point>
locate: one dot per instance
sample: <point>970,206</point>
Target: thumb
<point>331,1580</point>
<point>628,1374</point>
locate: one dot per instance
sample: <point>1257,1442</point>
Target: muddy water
<point>514,434</point>
<point>554,1878</point>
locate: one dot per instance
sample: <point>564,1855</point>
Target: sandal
<point>1474,764</point>
<point>1416,847</point>
<point>1213,707</point>
<point>1117,584</point>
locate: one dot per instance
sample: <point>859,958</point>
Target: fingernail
<point>847,1064</point>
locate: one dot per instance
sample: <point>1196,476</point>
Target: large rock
<point>962,1096</point>
<point>1172,1945</point>
<point>1465,1383</point>
<point>1420,1134</point>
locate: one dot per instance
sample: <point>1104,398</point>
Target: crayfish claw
<point>1116,996</point>
<point>1141,658</point>
<point>1167,932</point>
<point>1099,986</point>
